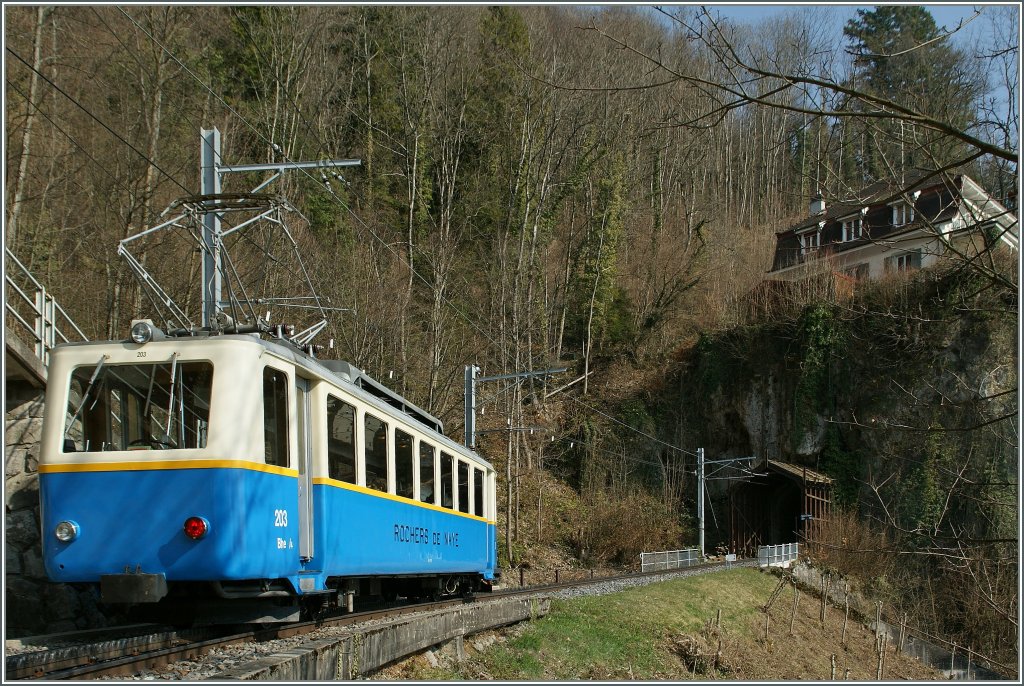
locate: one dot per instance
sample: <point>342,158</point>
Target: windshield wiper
<point>149,391</point>
<point>85,395</point>
<point>170,402</point>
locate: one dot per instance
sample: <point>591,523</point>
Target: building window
<point>902,214</point>
<point>857,272</point>
<point>904,262</point>
<point>853,228</point>
<point>809,242</point>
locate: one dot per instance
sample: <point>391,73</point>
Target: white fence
<point>669,559</point>
<point>778,555</point>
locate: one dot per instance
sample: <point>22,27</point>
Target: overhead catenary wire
<point>96,119</point>
<point>329,190</point>
<point>465,316</point>
<point>117,37</point>
<point>631,428</point>
<point>607,451</point>
<point>334,195</point>
<point>67,135</point>
<point>231,109</point>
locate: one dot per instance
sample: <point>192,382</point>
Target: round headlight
<point>66,531</point>
<point>142,332</point>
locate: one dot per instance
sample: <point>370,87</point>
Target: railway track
<point>104,652</point>
<point>127,651</point>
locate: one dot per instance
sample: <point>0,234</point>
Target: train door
<point>305,457</point>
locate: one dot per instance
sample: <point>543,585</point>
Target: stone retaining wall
<point>354,654</point>
<point>33,604</point>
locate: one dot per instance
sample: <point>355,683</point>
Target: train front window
<point>151,406</point>
<point>403,464</point>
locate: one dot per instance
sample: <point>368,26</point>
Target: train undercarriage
<point>274,601</point>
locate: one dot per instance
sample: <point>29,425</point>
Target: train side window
<point>375,440</point>
<point>478,491</point>
<point>275,417</point>
<point>426,472</point>
<point>463,487</point>
<point>341,440</point>
<point>447,496</point>
<point>403,464</point>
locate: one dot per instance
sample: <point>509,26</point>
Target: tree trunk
<point>20,182</point>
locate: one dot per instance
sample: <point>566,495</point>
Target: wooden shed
<point>786,503</point>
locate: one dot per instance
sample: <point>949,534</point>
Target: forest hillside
<point>597,189</point>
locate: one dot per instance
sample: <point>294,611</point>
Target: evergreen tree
<point>900,56</point>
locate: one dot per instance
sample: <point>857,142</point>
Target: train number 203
<point>280,517</point>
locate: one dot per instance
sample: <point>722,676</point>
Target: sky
<point>973,36</point>
<point>944,14</point>
<point>947,15</point>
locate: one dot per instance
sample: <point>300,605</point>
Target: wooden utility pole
<point>796,602</point>
<point>846,619</point>
<point>824,597</point>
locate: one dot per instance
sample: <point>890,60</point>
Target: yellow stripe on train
<point>138,466</point>
<point>324,481</point>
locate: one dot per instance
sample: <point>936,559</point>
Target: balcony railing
<point>33,313</point>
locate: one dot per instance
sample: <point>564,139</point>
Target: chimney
<point>817,205</point>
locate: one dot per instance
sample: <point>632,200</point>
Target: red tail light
<point>196,527</point>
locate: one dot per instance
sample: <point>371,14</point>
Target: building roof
<point>878,193</point>
<point>798,472</point>
<point>939,202</point>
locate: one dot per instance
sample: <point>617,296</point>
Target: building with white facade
<point>888,229</point>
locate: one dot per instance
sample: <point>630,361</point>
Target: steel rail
<point>112,661</point>
<point>116,664</point>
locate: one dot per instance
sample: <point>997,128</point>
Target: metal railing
<point>33,312</point>
<point>777,555</point>
<point>669,559</point>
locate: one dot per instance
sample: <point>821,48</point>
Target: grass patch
<point>619,636</point>
<point>666,632</point>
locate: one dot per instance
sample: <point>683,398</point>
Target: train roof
<point>353,379</point>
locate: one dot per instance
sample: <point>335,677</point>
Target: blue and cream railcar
<point>240,469</point>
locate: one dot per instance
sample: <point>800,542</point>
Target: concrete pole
<point>210,185</point>
<point>471,372</point>
<point>700,500</point>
